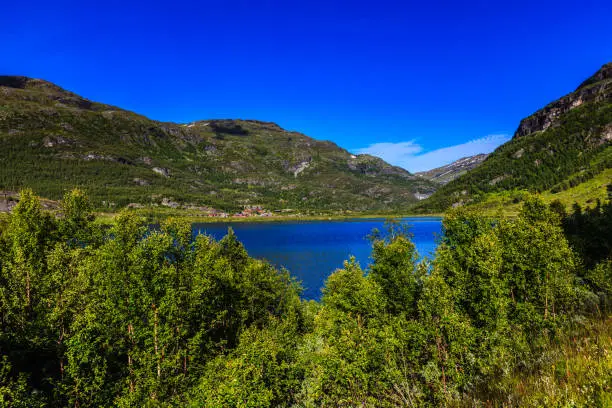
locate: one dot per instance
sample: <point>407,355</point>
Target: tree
<point>24,285</point>
<point>539,264</point>
<point>263,370</point>
<point>396,271</point>
<point>76,225</point>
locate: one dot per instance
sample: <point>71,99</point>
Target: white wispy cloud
<point>411,155</point>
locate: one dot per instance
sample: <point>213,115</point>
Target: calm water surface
<point>312,250</point>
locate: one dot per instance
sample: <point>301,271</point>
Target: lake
<point>312,250</point>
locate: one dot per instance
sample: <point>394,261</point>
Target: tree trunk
<point>155,340</point>
<point>131,370</point>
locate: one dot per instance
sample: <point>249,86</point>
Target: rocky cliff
<point>596,88</point>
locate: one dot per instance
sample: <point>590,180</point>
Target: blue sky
<point>418,83</point>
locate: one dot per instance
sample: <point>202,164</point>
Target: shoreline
<point>194,219</point>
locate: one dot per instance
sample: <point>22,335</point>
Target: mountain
<point>53,140</point>
<point>449,172</point>
<point>564,144</point>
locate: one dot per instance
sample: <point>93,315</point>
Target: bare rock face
<point>51,141</point>
<point>141,182</point>
<point>95,156</point>
<point>168,202</point>
<point>498,179</point>
<point>519,153</point>
<point>161,171</point>
<point>596,88</point>
<point>606,135</point>
<point>420,196</point>
<point>8,200</point>
<point>300,167</point>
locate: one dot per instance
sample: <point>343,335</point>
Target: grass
<point>586,194</point>
<point>575,372</point>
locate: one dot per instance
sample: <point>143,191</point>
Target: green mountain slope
<point>53,140</point>
<point>558,147</point>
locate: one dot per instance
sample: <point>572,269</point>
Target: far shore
<point>195,219</point>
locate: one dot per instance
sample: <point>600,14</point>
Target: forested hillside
<point>53,140</point>
<point>560,146</point>
<point>512,312</point>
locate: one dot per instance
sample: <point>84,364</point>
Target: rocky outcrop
<point>605,72</point>
<point>51,141</point>
<point>420,196</point>
<point>596,88</point>
<point>141,182</point>
<point>8,200</point>
<point>229,127</point>
<point>300,167</point>
<point>161,171</point>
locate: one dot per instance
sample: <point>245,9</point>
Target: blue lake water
<point>312,250</point>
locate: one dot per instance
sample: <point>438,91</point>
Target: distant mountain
<point>449,172</point>
<point>53,140</point>
<point>558,147</point>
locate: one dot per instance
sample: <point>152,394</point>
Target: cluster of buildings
<point>253,211</point>
<point>249,211</point>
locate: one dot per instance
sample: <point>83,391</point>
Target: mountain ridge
<point>56,140</point>
<point>567,142</point>
<point>447,173</point>
<point>595,88</point>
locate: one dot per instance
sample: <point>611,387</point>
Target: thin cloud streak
<point>410,155</point>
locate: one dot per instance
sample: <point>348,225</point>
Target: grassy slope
<point>585,194</point>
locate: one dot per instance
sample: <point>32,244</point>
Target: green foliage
<point>76,224</point>
<point>16,392</point>
<point>347,290</point>
<point>262,371</point>
<point>396,271</point>
<point>507,313</point>
<point>129,318</point>
<point>588,231</point>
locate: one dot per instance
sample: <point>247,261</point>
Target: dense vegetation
<point>562,145</point>
<point>509,312</point>
<point>53,140</point>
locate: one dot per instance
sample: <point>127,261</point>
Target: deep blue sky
<point>424,74</point>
